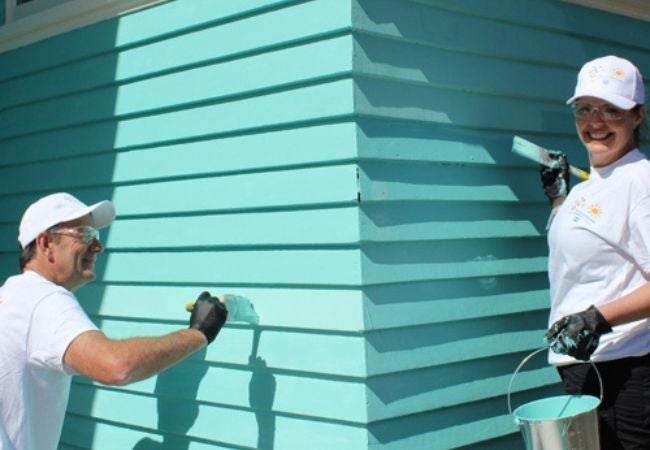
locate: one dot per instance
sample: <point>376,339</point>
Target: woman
<point>599,255</point>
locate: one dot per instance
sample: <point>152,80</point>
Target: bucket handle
<point>539,350</point>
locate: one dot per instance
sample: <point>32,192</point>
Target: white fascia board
<point>64,17</point>
<point>636,9</point>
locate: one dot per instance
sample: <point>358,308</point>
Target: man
<point>46,337</point>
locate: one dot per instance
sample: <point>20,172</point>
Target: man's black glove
<point>578,334</point>
<point>208,315</point>
<point>555,180</point>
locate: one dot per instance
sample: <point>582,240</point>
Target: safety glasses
<point>85,233</point>
<point>607,112</point>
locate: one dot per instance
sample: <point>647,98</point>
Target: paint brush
<point>534,152</point>
<point>240,309</point>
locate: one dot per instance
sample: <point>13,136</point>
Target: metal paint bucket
<point>566,422</point>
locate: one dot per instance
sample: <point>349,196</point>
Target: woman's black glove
<point>578,335</point>
<point>208,315</point>
<point>555,180</point>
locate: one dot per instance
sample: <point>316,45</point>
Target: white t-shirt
<point>599,243</point>
<point>38,320</point>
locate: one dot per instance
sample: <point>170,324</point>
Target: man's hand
<point>208,315</point>
<point>555,180</point>
<point>578,335</point>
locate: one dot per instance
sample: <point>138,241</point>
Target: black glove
<point>555,181</point>
<point>208,315</point>
<point>578,334</point>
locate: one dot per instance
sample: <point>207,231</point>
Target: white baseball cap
<point>57,208</point>
<point>613,79</point>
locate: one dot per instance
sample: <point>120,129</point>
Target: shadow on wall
<point>476,98</point>
<point>176,393</point>
<point>471,175</point>
<point>47,143</point>
<point>453,224</point>
<point>261,394</point>
<point>178,409</point>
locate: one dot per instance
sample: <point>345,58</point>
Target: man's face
<point>72,258</point>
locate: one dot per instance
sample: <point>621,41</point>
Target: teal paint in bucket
<point>566,422</point>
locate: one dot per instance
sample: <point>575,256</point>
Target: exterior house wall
<point>224,134</point>
<point>345,165</point>
<point>452,223</point>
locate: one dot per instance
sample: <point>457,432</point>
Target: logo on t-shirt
<point>584,210</point>
<point>594,211</point>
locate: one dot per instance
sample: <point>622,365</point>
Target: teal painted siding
<point>346,165</point>
<point>224,133</point>
<point>452,224</point>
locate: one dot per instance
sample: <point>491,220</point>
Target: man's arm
<point>119,362</point>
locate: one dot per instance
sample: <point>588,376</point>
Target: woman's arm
<point>630,307</point>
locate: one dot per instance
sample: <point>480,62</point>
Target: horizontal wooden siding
<point>452,223</point>
<point>224,134</point>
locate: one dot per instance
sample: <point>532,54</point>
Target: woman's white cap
<point>613,79</point>
<point>57,208</point>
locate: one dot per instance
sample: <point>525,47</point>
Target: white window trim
<point>637,9</point>
<point>29,23</point>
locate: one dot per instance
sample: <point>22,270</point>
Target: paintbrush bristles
<point>534,152</point>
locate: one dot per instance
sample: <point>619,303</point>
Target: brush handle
<point>583,175</point>
<point>541,155</point>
